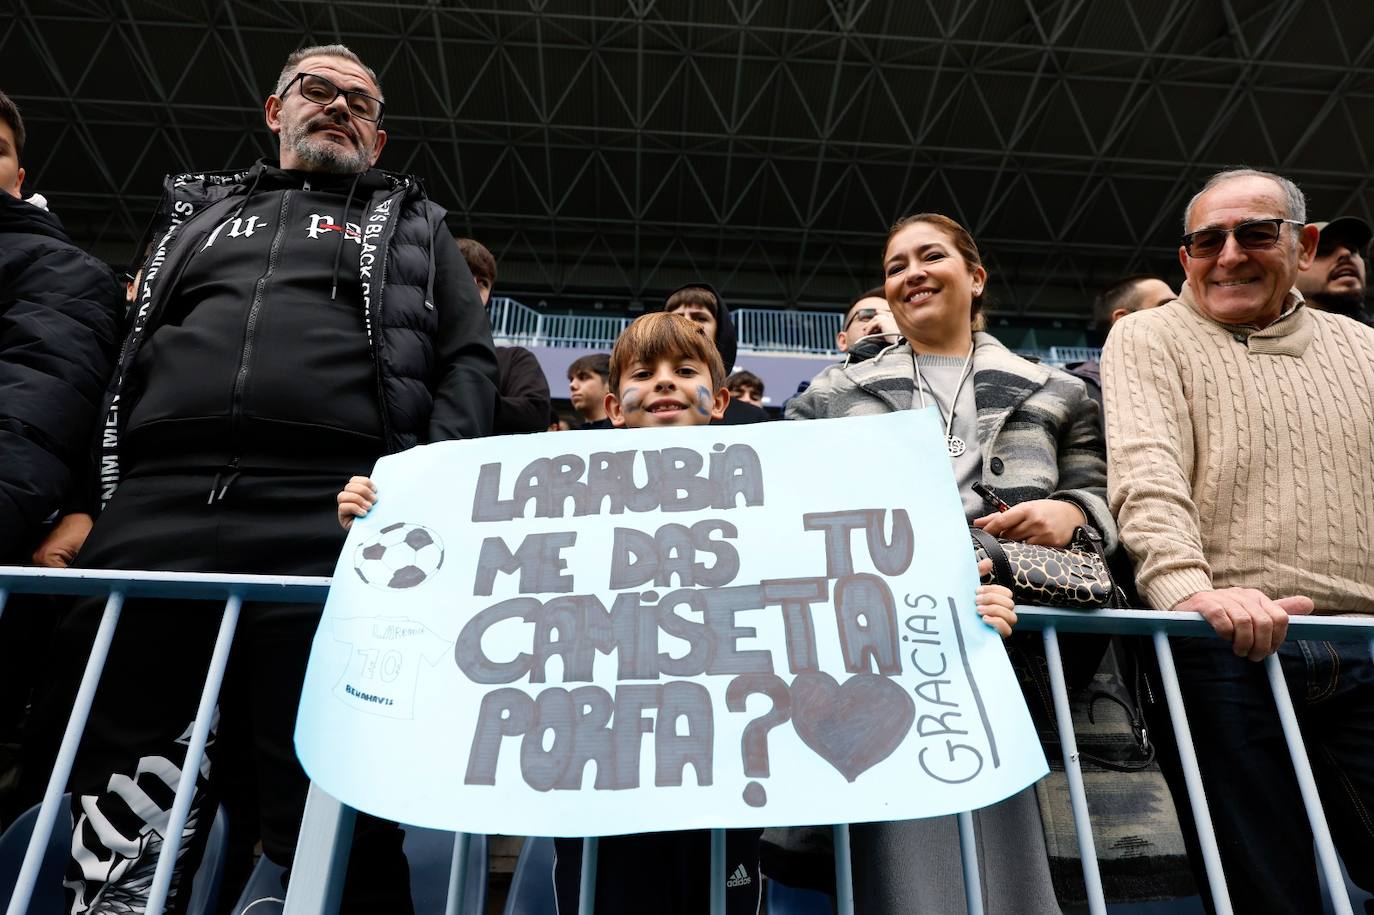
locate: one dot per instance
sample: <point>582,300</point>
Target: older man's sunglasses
<point>1254,235</point>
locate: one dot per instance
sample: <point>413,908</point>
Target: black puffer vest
<point>396,273</point>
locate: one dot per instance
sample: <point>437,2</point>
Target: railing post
<point>968,854</point>
<point>321,859</point>
<point>1078,797</point>
<point>4,599</point>
<point>717,872</point>
<point>586,891</point>
<point>1307,785</point>
<point>1192,776</point>
<point>66,756</point>
<point>195,750</point>
<point>844,870</point>
<point>458,875</point>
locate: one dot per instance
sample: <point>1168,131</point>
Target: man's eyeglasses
<point>321,91</point>
<point>863,314</point>
<point>1254,235</point>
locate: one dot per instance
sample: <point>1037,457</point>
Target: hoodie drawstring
<point>343,234</point>
<point>244,202</point>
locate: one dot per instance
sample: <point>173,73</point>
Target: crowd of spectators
<point>293,321</point>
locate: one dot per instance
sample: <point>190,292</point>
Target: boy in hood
<point>700,302</point>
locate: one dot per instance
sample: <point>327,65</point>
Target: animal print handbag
<point>1047,576</point>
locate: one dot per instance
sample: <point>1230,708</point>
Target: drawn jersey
<point>388,653</point>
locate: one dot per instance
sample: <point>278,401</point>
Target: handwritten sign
<point>605,632</point>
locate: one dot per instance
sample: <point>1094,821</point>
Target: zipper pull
<point>233,474</point>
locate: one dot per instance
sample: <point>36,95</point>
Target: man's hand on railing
<point>58,550</point>
<point>1253,624</point>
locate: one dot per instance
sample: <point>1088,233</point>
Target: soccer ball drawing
<point>399,556</point>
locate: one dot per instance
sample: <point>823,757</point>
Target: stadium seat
<point>782,899</point>
<point>263,894</point>
<point>531,888</point>
<point>430,854</point>
<point>1360,901</point>
<point>48,896</point>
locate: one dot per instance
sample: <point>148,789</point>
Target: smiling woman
<point>1028,431</point>
<point>1033,437</point>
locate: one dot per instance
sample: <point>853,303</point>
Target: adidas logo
<point>739,878</point>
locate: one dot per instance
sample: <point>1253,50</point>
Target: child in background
<point>746,386</point>
<point>587,387</point>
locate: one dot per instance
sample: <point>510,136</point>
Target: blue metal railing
<point>326,829</point>
<point>518,325</point>
<point>759,330</point>
<point>1061,355</point>
<point>772,330</point>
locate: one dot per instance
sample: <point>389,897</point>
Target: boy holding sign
<point>665,371</point>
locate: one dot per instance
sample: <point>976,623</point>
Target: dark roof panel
<point>610,148</point>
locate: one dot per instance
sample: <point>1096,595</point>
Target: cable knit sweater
<point>1241,457</point>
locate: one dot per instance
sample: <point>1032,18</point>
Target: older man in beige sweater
<point>1240,430</point>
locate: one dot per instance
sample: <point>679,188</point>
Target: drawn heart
<point>855,726</point>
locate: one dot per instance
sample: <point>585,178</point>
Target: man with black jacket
<point>295,322</point>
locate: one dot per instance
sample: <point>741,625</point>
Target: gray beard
<point>320,155</point>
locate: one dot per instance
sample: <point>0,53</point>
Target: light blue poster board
<point>607,632</point>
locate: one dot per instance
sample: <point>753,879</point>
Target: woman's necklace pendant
<point>956,445</point>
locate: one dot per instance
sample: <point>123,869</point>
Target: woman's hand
<point>995,603</point>
<point>356,500</point>
<point>1047,522</point>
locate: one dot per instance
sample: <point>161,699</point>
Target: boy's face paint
<point>704,401</point>
<point>674,392</point>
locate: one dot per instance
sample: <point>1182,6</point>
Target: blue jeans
<point>1247,773</point>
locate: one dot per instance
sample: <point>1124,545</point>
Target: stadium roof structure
<point>614,149</point>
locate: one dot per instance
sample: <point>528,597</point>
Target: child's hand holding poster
<point>629,631</point>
